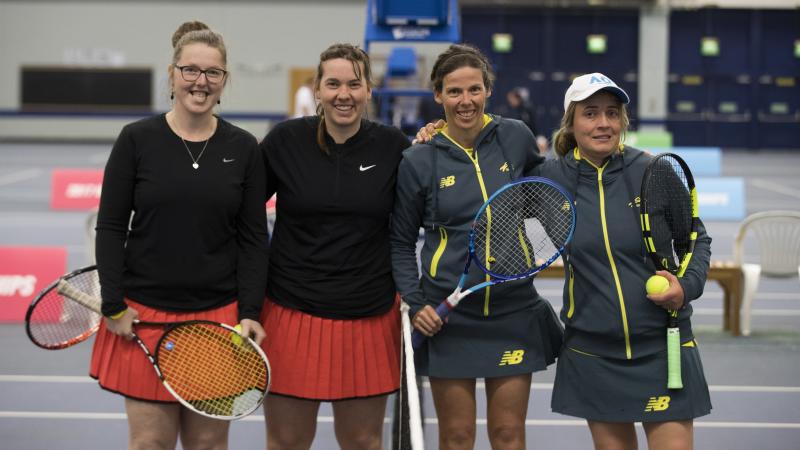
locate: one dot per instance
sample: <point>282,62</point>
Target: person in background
<point>613,368</point>
<point>441,184</point>
<point>195,245</point>
<point>304,102</point>
<point>518,106</point>
<point>332,312</point>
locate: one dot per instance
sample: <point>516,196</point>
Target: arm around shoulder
<point>407,217</point>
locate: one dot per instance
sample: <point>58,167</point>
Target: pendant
<point>195,165</point>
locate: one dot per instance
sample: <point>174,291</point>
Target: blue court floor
<point>48,401</point>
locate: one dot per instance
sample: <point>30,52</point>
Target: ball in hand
<point>656,285</point>
<point>236,338</point>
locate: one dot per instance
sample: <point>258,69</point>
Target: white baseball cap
<point>585,86</point>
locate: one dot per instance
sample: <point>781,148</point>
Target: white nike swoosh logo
<point>225,160</point>
<point>362,168</point>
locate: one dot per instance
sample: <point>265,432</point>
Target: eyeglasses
<point>192,73</point>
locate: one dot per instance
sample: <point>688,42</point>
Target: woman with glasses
<point>195,247</point>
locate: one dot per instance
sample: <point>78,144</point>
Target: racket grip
<point>443,310</point>
<point>67,290</point>
<point>674,380</point>
<point>417,339</point>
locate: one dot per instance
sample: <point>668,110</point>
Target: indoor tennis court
<point>736,124</point>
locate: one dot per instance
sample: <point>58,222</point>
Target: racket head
<point>54,321</point>
<point>213,370</point>
<point>522,228</point>
<point>669,214</point>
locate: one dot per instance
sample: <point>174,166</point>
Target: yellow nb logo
<point>657,404</point>
<point>511,357</point>
<point>447,181</point>
<point>504,167</point>
<point>566,206</point>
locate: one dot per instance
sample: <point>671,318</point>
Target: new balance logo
<point>12,285</point>
<point>504,167</point>
<point>447,181</point>
<point>510,358</point>
<point>657,404</point>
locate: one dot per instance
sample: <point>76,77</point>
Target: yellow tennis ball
<point>656,285</point>
<point>236,338</point>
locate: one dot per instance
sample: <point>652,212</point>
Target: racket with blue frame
<point>519,231</point>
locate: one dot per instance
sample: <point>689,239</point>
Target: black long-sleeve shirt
<point>329,254</point>
<point>197,238</point>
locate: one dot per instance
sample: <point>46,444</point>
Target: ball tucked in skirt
<point>323,359</point>
<point>120,366</point>
<point>525,341</point>
<point>620,390</point>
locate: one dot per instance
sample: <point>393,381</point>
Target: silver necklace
<point>194,160</point>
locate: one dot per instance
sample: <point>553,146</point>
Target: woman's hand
<point>426,321</point>
<point>253,330</point>
<point>426,133</point>
<point>673,298</point>
<point>123,326</point>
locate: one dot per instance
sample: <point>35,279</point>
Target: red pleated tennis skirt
<point>121,366</point>
<point>330,359</point>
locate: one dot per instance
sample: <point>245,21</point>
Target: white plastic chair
<point>778,234</point>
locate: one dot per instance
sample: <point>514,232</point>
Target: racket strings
<point>56,321</point>
<point>669,207</point>
<point>213,368</point>
<point>522,223</point>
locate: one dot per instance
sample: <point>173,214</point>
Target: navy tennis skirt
<point>620,390</point>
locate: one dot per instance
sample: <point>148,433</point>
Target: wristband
<point>118,315</point>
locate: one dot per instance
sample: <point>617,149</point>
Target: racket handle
<point>80,297</point>
<point>674,359</point>
<point>417,339</point>
<point>443,310</point>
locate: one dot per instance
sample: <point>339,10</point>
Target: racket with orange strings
<point>207,366</point>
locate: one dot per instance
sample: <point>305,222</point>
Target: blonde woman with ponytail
<point>612,371</point>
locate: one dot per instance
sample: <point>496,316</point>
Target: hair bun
<point>186,27</point>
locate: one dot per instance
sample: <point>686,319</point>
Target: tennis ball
<point>236,338</point>
<point>657,285</point>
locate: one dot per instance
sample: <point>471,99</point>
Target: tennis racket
<point>54,322</point>
<point>521,229</point>
<point>669,220</point>
<point>207,366</point>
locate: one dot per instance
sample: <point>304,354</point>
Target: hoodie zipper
<point>623,311</point>
<point>472,154</point>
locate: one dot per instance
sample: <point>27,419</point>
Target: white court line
<point>21,175</point>
<point>710,295</point>
<point>775,187</point>
<point>755,312</point>
<point>479,384</point>
<point>428,421</point>
<point>46,379</point>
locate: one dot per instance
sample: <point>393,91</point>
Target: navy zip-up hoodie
<point>606,311</point>
<point>440,187</point>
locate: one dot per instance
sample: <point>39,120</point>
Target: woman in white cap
<point>612,370</point>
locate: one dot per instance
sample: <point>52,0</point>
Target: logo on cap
<point>602,79</point>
